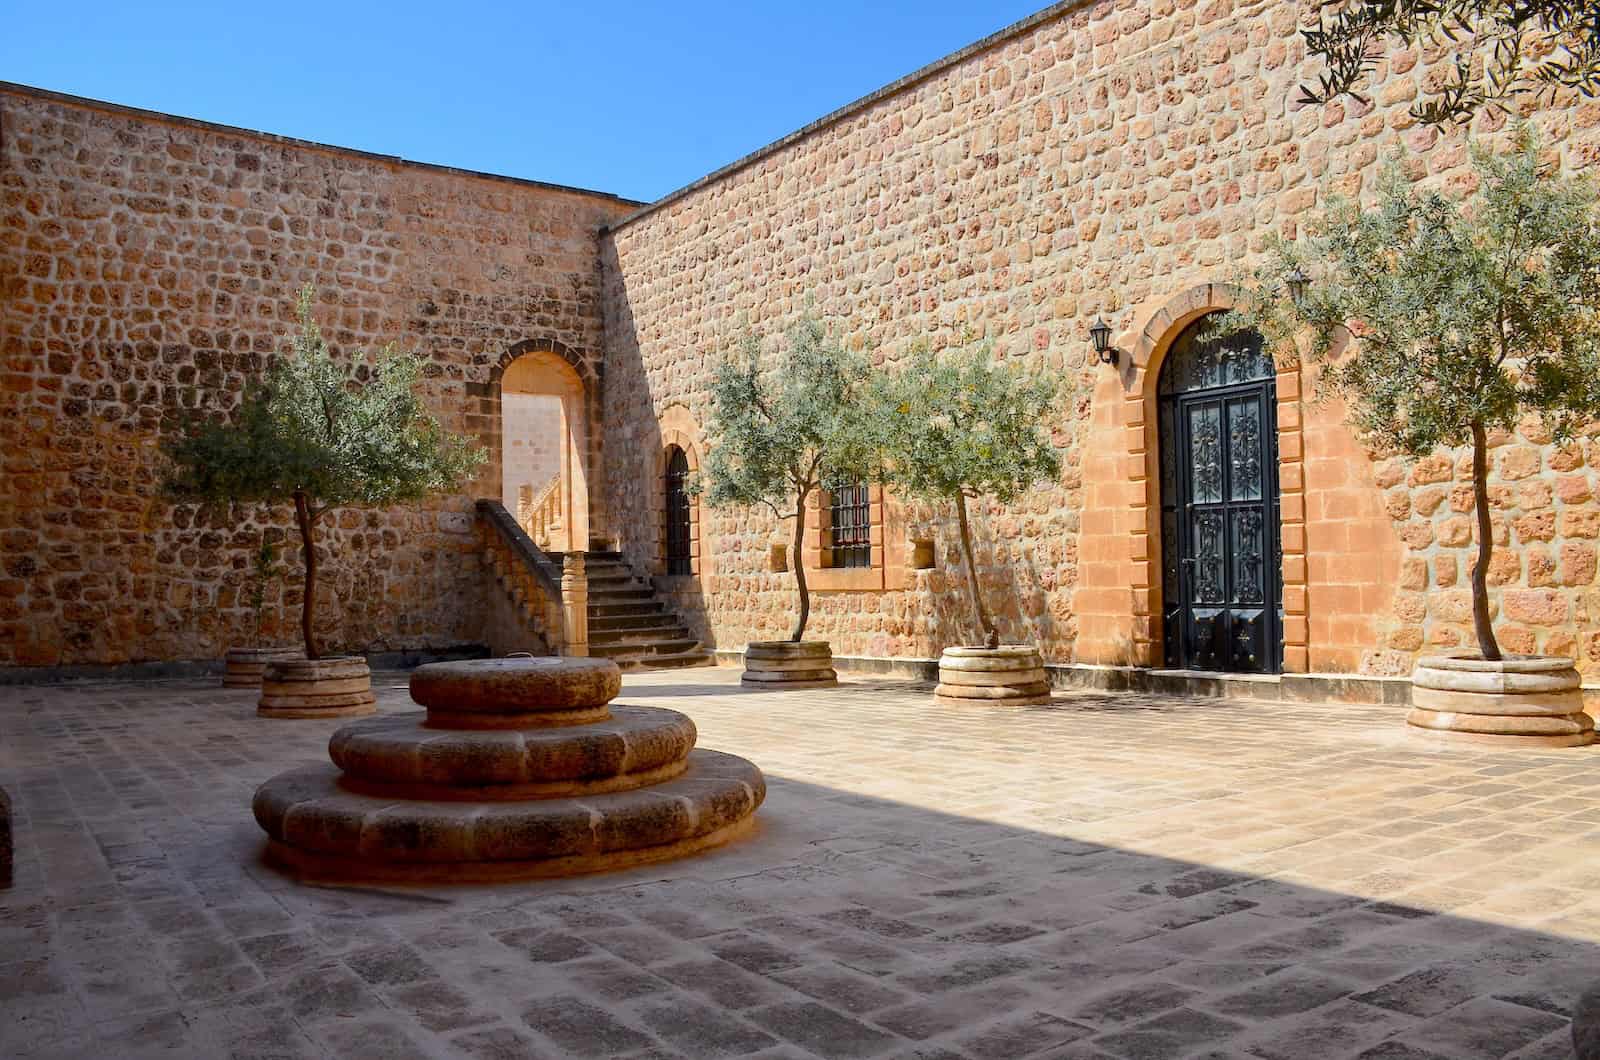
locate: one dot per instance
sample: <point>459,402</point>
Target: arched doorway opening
<point>678,511</point>
<point>544,450</point>
<point>1221,563</point>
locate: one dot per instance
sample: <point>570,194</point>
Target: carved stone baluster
<point>575,604</point>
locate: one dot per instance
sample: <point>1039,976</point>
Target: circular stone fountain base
<point>319,827</point>
<point>519,768</point>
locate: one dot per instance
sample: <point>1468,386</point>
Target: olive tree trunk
<point>798,561</point>
<point>304,518</point>
<point>991,635</point>
<point>1482,626</point>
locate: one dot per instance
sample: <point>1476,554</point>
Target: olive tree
<point>264,568</point>
<point>320,434</point>
<point>1439,321</point>
<point>960,426</point>
<point>782,434</point>
<point>1501,50</point>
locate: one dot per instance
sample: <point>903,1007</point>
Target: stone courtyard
<point>1107,876</point>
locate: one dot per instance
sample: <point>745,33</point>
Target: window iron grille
<point>850,526</point>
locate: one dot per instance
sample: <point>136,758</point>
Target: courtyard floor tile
<point>1117,876</point>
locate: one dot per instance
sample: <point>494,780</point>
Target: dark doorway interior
<point>680,559</point>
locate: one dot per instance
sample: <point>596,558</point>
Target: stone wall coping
<point>893,88</point>
<point>84,102</point>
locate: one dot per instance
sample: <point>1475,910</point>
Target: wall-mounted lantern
<point>1100,335</point>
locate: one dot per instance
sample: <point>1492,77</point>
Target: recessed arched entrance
<point>1221,563</point>
<point>544,452</point>
<point>678,514</point>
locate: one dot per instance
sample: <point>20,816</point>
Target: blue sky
<point>631,98</point>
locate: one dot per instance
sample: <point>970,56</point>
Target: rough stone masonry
<point>1116,159</point>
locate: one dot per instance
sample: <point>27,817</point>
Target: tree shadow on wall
<point>1016,582</point>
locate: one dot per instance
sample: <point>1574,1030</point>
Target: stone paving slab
<point>1111,876</point>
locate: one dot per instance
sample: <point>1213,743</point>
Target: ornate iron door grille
<point>850,527</point>
<point>1222,583</point>
<point>679,557</point>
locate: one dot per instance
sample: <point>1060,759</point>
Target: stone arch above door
<point>552,347</point>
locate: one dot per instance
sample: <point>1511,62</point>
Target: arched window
<point>680,556</point>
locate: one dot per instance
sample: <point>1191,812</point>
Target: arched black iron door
<point>1222,564</point>
<point>680,558</point>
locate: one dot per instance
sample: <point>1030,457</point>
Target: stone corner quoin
<point>1120,163</point>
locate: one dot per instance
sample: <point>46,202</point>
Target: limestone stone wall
<point>1116,159</point>
<point>148,267</point>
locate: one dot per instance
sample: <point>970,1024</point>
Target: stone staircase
<point>628,624</point>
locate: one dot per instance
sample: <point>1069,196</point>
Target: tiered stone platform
<point>519,769</point>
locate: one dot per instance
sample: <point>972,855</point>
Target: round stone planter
<point>1528,700</point>
<point>520,768</point>
<point>780,664</point>
<point>243,666</point>
<point>316,688</point>
<point>1011,675</point>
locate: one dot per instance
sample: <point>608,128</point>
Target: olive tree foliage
<point>958,426</point>
<point>1439,321</point>
<point>780,434</point>
<point>321,433</point>
<point>264,568</point>
<point>1503,50</point>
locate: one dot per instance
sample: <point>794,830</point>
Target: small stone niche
<point>923,556</point>
<point>778,558</point>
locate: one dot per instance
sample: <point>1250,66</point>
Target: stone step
<point>627,623</point>
<point>642,638</point>
<point>644,647</point>
<point>680,660</point>
<point>400,755</point>
<point>617,596</point>
<point>655,609</point>
<point>625,580</point>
